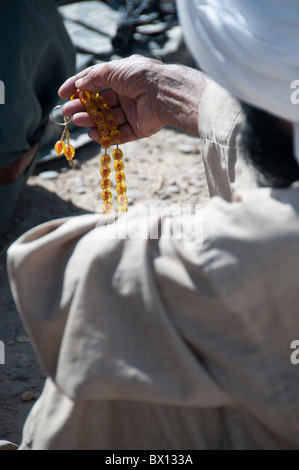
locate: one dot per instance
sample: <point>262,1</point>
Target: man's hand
<point>145,95</point>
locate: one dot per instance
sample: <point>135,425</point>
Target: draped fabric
<point>251,48</point>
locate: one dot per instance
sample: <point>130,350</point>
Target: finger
<point>94,135</point>
<point>75,106</point>
<point>83,120</point>
<point>72,107</point>
<point>111,97</point>
<point>67,89</point>
<point>119,116</point>
<point>94,80</point>
<point>128,135</point>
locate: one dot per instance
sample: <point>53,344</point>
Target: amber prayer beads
<point>65,148</point>
<point>102,115</point>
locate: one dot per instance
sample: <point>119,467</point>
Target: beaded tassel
<point>102,115</point>
<point>63,148</point>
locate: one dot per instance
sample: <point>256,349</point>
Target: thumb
<point>93,80</point>
<point>68,88</point>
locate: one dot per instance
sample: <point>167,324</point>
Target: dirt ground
<point>166,167</point>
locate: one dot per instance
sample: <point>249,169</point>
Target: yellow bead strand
<point>65,148</point>
<point>102,115</point>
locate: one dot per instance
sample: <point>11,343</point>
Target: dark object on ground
<point>139,13</point>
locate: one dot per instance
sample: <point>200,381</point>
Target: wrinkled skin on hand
<point>145,94</point>
<point>133,88</point>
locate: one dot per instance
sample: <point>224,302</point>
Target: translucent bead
<point>105,172</point>
<point>107,207</point>
<point>122,209</point>
<point>105,160</point>
<point>116,137</point>
<point>121,189</point>
<point>105,183</point>
<point>75,96</point>
<point>107,111</point>
<point>107,195</point>
<point>98,118</point>
<point>122,200</point>
<point>69,152</point>
<point>94,96</point>
<point>103,130</point>
<point>101,102</point>
<point>105,142</point>
<point>60,148</point>
<point>118,154</point>
<point>90,108</point>
<point>119,166</point>
<point>120,177</point>
<point>84,97</point>
<point>112,124</point>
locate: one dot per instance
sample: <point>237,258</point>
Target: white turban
<point>251,48</point>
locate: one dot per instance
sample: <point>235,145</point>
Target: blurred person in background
<point>36,56</point>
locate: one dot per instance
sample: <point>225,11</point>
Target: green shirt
<point>36,57</point>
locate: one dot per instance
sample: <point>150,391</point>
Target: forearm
<point>180,90</point>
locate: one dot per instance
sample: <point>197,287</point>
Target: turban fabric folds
<point>251,48</point>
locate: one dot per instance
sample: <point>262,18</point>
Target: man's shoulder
<point>253,239</point>
<point>219,115</point>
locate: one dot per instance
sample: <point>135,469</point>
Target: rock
<point>187,149</point>
<point>155,28</point>
<point>80,191</point>
<point>202,184</point>
<point>153,202</point>
<point>172,140</point>
<point>28,396</point>
<point>76,163</point>
<point>23,339</point>
<point>131,201</point>
<point>194,192</point>
<point>14,376</point>
<point>23,378</point>
<point>164,196</point>
<point>34,386</point>
<point>174,189</point>
<point>49,175</point>
<point>87,40</point>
